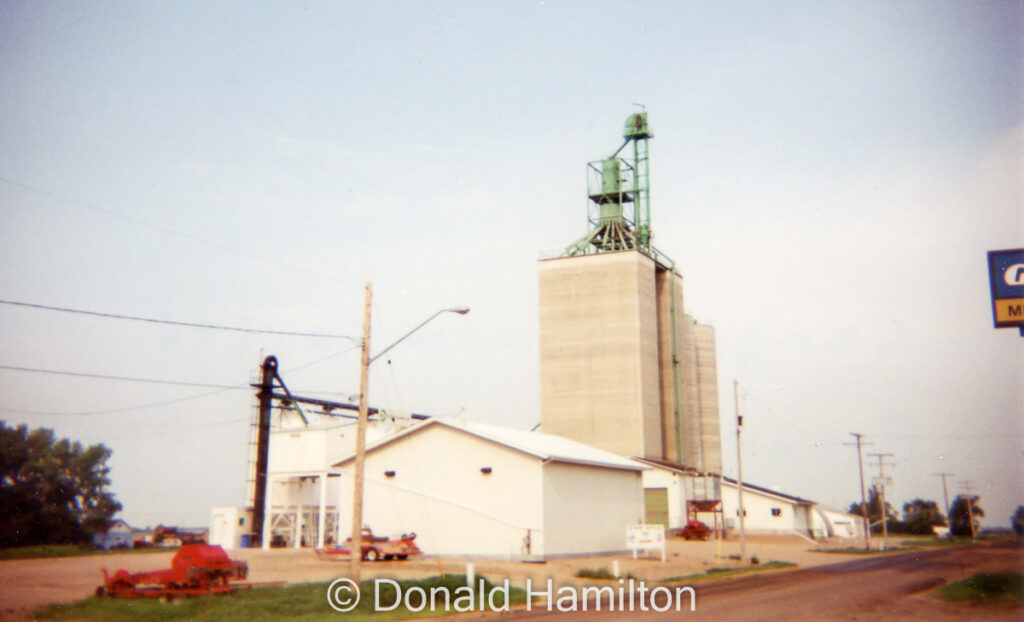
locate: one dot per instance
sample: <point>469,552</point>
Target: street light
<point>356,550</point>
<point>459,310</point>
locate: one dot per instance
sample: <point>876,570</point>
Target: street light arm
<point>357,480</point>
<point>459,310</point>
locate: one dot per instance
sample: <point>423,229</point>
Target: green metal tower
<point>619,211</point>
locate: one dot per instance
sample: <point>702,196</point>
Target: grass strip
<point>986,588</point>
<point>306,602</point>
<point>714,573</point>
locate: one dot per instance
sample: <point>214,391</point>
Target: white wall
<point>662,478</point>
<point>301,449</point>
<point>288,491</point>
<point>228,525</point>
<point>759,517</point>
<point>587,509</point>
<point>439,492</point>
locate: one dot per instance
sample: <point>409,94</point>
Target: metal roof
<point>547,447</point>
<point>761,489</point>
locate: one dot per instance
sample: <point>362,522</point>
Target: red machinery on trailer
<point>196,570</point>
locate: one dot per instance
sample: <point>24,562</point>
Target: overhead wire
<point>119,316</point>
<point>167,230</point>
<point>218,389</point>
<point>392,391</point>
<point>87,413</point>
<point>179,383</point>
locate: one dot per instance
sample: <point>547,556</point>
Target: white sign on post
<point>645,538</point>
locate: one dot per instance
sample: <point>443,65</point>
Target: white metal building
<point>303,491</point>
<point>766,511</point>
<point>470,489</point>
<point>465,489</point>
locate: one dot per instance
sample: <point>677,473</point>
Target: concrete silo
<point>622,368</point>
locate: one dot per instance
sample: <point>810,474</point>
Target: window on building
<point>776,511</point>
<point>241,521</point>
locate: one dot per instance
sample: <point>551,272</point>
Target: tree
<point>51,490</point>
<point>875,510</point>
<point>959,515</point>
<point>920,517</point>
<point>1017,520</point>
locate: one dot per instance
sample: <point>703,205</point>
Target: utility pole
<point>863,497</point>
<point>259,496</point>
<point>739,468</point>
<point>356,556</point>
<point>356,549</point>
<point>882,480</point>
<point>969,493</point>
<point>945,497</point>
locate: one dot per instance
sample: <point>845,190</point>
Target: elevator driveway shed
<point>471,489</point>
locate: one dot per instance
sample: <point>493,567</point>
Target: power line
<point>118,316</point>
<point>87,413</point>
<point>57,372</point>
<point>164,229</point>
<point>326,358</point>
<point>219,389</point>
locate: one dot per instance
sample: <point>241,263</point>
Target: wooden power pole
<point>969,495</point>
<point>739,470</point>
<point>357,481</point>
<point>882,481</point>
<point>863,497</point>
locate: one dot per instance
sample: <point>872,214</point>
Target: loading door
<point>656,506</point>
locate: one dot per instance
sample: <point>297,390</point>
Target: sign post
<point>646,538</point>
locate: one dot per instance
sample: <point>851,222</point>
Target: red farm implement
<point>196,570</point>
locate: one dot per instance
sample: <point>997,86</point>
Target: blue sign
<point>1006,275</point>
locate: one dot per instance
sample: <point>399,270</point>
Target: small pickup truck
<point>377,547</point>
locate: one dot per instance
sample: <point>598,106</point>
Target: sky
<point>827,176</point>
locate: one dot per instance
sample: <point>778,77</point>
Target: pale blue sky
<point>828,177</point>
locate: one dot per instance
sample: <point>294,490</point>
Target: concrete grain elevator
<point>622,367</point>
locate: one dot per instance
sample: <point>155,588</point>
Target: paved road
<point>894,587</point>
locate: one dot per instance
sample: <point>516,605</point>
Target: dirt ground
<point>27,584</point>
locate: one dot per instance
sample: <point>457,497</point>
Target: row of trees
<point>920,516</point>
<point>52,491</point>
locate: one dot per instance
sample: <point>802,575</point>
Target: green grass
<point>602,573</point>
<point>937,542</point>
<point>69,550</point>
<point>854,550</point>
<point>986,588</point>
<point>291,603</point>
<point>714,573</point>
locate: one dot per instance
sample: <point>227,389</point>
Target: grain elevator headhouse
<point>622,367</point>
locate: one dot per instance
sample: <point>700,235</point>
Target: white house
<point>470,489</point>
<point>120,535</point>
